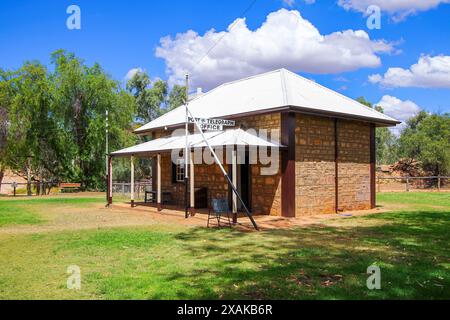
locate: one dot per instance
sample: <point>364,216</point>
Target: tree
<point>427,139</point>
<point>386,142</point>
<point>153,98</point>
<point>6,95</point>
<point>177,97</point>
<point>31,125</point>
<point>83,94</point>
<point>149,97</point>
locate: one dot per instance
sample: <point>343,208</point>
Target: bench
<point>69,187</point>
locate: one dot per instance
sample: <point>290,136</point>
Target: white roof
<point>272,90</point>
<point>232,137</point>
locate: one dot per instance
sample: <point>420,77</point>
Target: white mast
<point>233,187</point>
<point>186,151</point>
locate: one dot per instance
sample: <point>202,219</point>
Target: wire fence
<point>383,184</point>
<point>123,189</point>
<point>408,184</point>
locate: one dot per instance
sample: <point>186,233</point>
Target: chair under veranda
<point>219,210</point>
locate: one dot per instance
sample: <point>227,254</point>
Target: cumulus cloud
<point>132,72</point>
<point>285,39</point>
<point>428,72</point>
<point>398,109</point>
<point>398,9</point>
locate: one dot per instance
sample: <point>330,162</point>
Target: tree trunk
<point>38,188</point>
<point>41,183</point>
<point>2,174</point>
<point>29,192</point>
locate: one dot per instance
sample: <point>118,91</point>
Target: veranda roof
<point>232,137</point>
<point>273,91</point>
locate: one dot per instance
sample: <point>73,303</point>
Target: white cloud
<point>132,72</point>
<point>398,109</point>
<point>428,72</point>
<point>291,3</point>
<point>285,39</point>
<point>398,9</point>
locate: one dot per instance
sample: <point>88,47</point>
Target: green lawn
<point>25,211</point>
<point>329,261</point>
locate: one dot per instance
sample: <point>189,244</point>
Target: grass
<point>12,214</point>
<point>26,211</point>
<point>329,261</point>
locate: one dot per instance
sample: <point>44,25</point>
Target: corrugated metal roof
<point>232,137</point>
<point>267,91</point>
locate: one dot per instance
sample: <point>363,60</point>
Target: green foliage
<point>32,145</point>
<point>57,120</point>
<point>427,139</point>
<point>6,96</point>
<point>386,146</point>
<point>153,98</point>
<point>177,97</point>
<point>83,96</point>
<point>386,142</point>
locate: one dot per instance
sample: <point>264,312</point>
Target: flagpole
<point>186,153</point>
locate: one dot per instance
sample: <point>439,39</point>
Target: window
<point>178,171</point>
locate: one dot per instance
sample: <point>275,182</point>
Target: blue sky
<point>122,35</point>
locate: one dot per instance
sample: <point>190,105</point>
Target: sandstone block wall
<point>316,166</point>
<point>266,190</point>
<point>354,165</point>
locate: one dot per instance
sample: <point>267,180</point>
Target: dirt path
<point>96,216</point>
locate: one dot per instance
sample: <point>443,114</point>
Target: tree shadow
<point>320,262</point>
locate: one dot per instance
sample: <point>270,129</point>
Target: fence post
<point>407,184</point>
<point>439,183</point>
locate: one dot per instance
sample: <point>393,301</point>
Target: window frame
<point>178,171</point>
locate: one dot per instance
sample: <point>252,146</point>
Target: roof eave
<point>299,109</point>
<point>345,116</point>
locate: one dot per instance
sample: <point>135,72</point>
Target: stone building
<point>326,151</point>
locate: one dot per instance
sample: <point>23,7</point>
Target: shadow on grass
<point>320,262</point>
